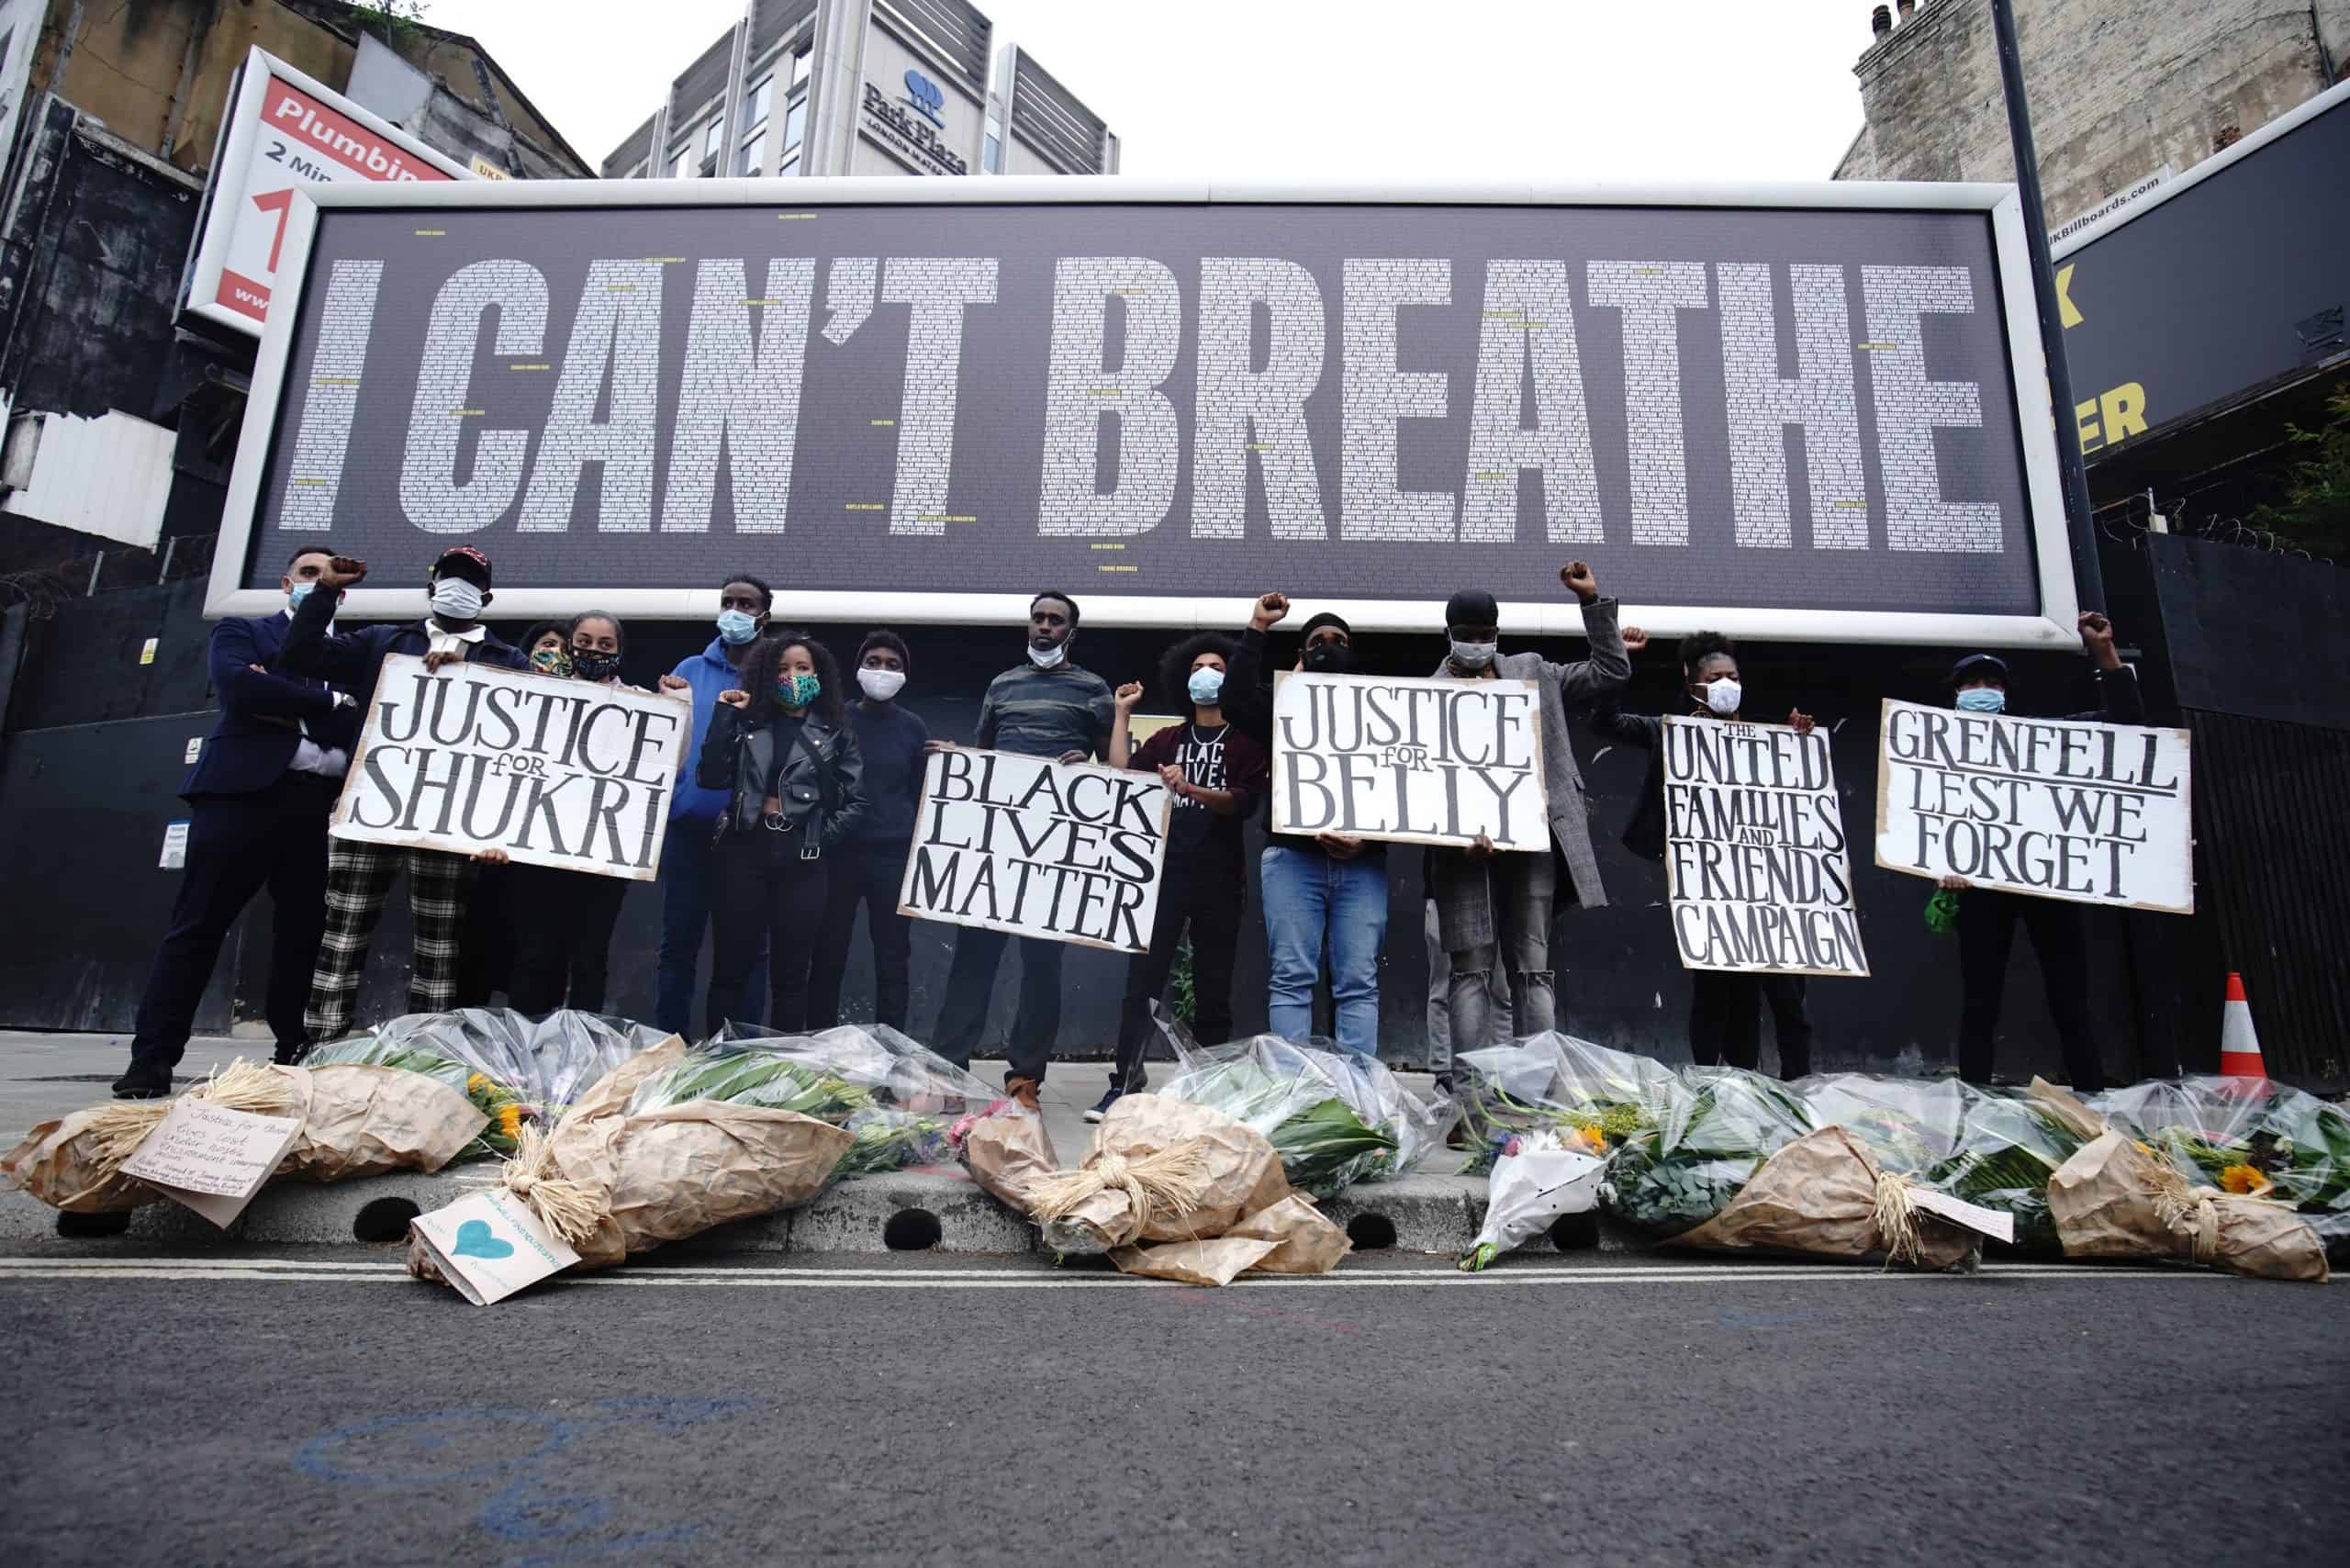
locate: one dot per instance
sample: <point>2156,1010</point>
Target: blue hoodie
<point>709,674</point>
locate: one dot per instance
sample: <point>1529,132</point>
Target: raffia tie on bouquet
<point>570,1209</point>
<point>118,1129</point>
<point>1166,1182</point>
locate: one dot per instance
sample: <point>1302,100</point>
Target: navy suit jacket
<point>262,714</point>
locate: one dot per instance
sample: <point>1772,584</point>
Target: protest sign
<point>554,772</point>
<point>1756,855</point>
<point>490,1245</point>
<point>1067,851</point>
<point>211,1158</point>
<point>1416,761</point>
<point>2056,808</point>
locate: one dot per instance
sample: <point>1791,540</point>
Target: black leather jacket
<point>740,759</point>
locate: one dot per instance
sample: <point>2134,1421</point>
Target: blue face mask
<point>735,627</point>
<point>1983,699</point>
<point>297,594</point>
<point>1205,684</point>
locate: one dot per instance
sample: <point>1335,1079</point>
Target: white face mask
<point>453,599</point>
<point>1723,696</point>
<point>1474,656</point>
<point>881,684</point>
<point>1047,658</point>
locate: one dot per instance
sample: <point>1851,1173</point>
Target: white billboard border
<point>2054,628</point>
<point>234,148</point>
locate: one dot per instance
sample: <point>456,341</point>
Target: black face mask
<point>1328,657</point>
<point>589,666</point>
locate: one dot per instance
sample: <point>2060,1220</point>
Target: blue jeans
<point>684,918</point>
<point>1308,898</point>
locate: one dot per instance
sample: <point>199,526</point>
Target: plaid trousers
<point>359,877</point>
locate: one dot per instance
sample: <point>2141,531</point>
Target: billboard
<point>2230,277</point>
<point>1811,411</point>
<point>284,132</point>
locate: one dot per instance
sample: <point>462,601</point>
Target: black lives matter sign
<point>1726,407</point>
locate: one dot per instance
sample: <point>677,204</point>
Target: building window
<point>800,67</point>
<point>681,162</point>
<point>795,125</point>
<point>790,166</point>
<point>761,99</point>
<point>712,137</point>
<point>992,151</point>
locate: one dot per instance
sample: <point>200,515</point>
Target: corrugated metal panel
<point>771,20</point>
<point>2267,795</point>
<point>1047,117</point>
<point>956,32</point>
<point>705,79</point>
<point>110,475</point>
<point>636,150</point>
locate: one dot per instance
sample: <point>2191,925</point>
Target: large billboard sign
<point>1813,411</point>
<point>2232,277</point>
<point>284,132</point>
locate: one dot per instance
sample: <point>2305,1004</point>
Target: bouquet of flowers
<point>1713,1129</point>
<point>1334,1117</point>
<point>1537,1179</point>
<point>516,1070</point>
<point>2248,1136</point>
<point>1590,1097</point>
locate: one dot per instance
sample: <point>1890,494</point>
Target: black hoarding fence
<point>2275,868</point>
<point>43,588</point>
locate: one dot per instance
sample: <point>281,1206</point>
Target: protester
<point>1217,776</point>
<point>1048,706</point>
<point>1320,890</point>
<point>486,949</point>
<point>743,603</point>
<point>258,796</point>
<point>563,931</point>
<point>1501,1007</point>
<point>1987,916</point>
<point>360,876</point>
<point>780,750</point>
<point>871,863</point>
<point>1724,1021</point>
<point>548,645</point>
<point>1494,907</point>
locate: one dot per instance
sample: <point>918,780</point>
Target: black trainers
<point>1102,1106</point>
<point>145,1081</point>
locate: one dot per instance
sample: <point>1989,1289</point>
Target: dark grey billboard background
<point>2210,292</point>
<point>845,458</point>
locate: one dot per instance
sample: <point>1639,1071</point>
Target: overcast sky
<point>1348,89</point>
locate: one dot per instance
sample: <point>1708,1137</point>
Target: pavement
<point>314,1406</point>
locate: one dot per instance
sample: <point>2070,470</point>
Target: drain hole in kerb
<point>1575,1233</point>
<point>383,1220</point>
<point>80,1225</point>
<point>912,1231</point>
<point>1371,1233</point>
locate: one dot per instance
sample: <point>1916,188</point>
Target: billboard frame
<point>2037,432</point>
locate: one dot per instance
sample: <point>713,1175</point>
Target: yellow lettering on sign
<point>2124,409</point>
<point>2066,312</point>
<point>2084,416</point>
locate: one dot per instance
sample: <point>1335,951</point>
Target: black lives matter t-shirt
<point>1219,758</point>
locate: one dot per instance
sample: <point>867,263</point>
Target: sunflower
<point>509,1119</point>
<point>2244,1179</point>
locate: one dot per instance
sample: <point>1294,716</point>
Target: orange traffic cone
<point>2239,1047</point>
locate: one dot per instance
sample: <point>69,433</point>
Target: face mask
<point>1723,696</point>
<point>1330,658</point>
<point>881,684</point>
<point>1205,684</point>
<point>453,599</point>
<point>589,666</point>
<point>1983,699</point>
<point>550,661</point>
<point>297,594</point>
<point>797,690</point>
<point>1474,656</point>
<point>736,627</point>
<point>1047,658</point>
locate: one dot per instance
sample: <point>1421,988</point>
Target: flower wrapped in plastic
<point>1538,1179</point>
<point>2249,1137</point>
<point>896,1097</point>
<point>1713,1129</point>
<point>1334,1117</point>
<point>1590,1097</point>
<point>519,1071</point>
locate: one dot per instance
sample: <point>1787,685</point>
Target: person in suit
<point>360,876</point>
<point>258,794</point>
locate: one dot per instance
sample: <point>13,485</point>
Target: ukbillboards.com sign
<point>1814,411</point>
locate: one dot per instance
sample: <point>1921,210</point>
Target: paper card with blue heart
<point>490,1245</point>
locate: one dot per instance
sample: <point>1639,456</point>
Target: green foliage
<point>1182,993</point>
<point>2316,513</point>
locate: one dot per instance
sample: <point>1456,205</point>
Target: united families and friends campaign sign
<point>2096,813</point>
<point>1755,854</point>
<point>1070,852</point>
<point>554,772</point>
<point>1416,761</point>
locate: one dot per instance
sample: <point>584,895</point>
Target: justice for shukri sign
<point>1416,761</point>
<point>1068,852</point>
<point>2056,808</point>
<point>554,772</point>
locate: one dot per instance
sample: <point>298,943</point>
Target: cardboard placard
<point>1070,852</point>
<point>210,1159</point>
<point>1412,761</point>
<point>490,1245</point>
<point>556,772</point>
<point>2054,808</point>
<point>1756,857</point>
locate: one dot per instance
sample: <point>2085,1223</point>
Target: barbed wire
<point>2125,520</point>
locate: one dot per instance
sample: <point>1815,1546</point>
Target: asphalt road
<point>315,1407</point>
